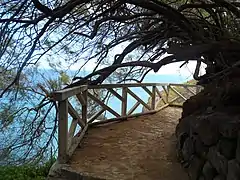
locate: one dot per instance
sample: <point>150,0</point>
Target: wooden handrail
<point>66,93</point>
<point>105,86</point>
<point>68,139</point>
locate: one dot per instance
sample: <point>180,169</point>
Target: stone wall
<point>208,134</point>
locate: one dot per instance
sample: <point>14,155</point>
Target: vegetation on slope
<point>25,172</point>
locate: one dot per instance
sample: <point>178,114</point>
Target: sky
<point>170,69</point>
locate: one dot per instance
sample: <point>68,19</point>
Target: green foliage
<point>6,115</point>
<point>25,172</point>
<point>64,78</point>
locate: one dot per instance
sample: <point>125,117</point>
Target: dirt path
<point>139,149</point>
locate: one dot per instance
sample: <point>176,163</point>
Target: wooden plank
<point>72,128</point>
<point>153,98</point>
<point>176,105</point>
<point>198,89</point>
<point>122,118</point>
<point>103,105</point>
<point>66,93</point>
<point>105,86</point>
<point>189,90</point>
<point>72,131</point>
<point>115,94</point>
<point>133,108</point>
<point>147,90</point>
<point>75,115</point>
<point>95,116</point>
<point>167,94</point>
<point>138,99</point>
<point>81,99</point>
<point>160,95</point>
<point>158,92</point>
<point>76,141</point>
<point>62,131</point>
<point>84,106</point>
<point>162,107</point>
<point>178,93</point>
<point>173,100</point>
<point>168,104</point>
<point>165,90</point>
<point>124,101</point>
<point>186,85</point>
<point>158,100</point>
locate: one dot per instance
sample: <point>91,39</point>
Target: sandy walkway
<point>139,149</point>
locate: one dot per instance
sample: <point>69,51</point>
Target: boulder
<point>230,129</point>
<point>238,148</point>
<point>187,149</point>
<point>201,178</point>
<point>209,171</point>
<point>205,129</point>
<point>218,161</point>
<point>233,170</point>
<point>195,167</point>
<point>220,177</point>
<point>227,147</point>
<point>200,149</point>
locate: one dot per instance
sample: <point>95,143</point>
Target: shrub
<point>25,172</point>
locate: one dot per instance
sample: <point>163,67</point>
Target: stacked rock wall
<point>208,133</point>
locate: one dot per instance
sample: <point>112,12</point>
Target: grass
<point>25,172</point>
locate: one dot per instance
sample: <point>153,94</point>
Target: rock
<point>195,168</point>
<point>56,170</point>
<point>201,178</point>
<point>208,171</point>
<point>238,148</point>
<point>183,126</point>
<point>207,131</point>
<point>233,170</point>
<point>181,139</point>
<point>196,103</point>
<point>227,147</point>
<point>220,177</point>
<point>229,129</point>
<point>199,147</point>
<point>211,120</point>
<point>188,149</point>
<point>218,161</point>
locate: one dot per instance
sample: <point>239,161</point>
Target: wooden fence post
<point>84,106</point>
<point>153,104</point>
<point>198,89</point>
<point>63,131</point>
<point>167,93</point>
<point>124,101</point>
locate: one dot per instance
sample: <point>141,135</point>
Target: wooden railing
<point>160,95</point>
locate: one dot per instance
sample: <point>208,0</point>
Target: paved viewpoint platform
<point>141,148</point>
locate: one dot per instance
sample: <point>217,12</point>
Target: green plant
<point>25,172</point>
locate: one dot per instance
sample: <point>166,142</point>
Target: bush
<point>25,172</point>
